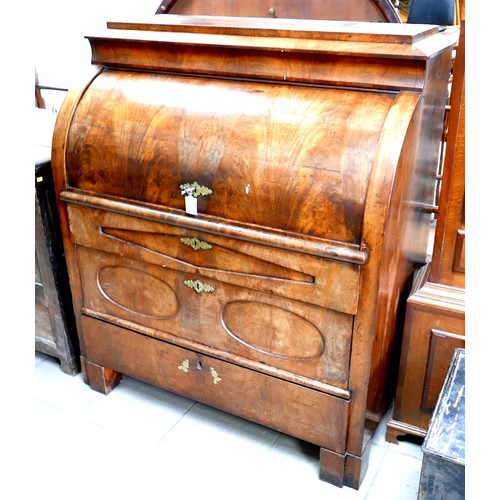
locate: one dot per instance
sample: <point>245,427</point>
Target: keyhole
<point>199,365</point>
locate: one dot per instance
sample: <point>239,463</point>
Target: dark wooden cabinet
<point>243,205</point>
<point>435,320</point>
<point>443,462</point>
<point>55,331</point>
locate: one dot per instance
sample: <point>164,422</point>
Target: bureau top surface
<point>398,40</point>
<point>290,28</point>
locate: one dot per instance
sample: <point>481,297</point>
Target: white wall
<point>60,50</point>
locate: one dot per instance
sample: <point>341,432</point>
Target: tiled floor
<point>143,443</point>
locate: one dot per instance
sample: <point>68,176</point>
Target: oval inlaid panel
<point>137,291</point>
<point>272,330</point>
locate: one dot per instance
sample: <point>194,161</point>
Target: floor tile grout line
<point>275,440</point>
<point>55,408</point>
<point>48,362</point>
<point>193,403</point>
<point>69,414</point>
<point>403,453</point>
<point>268,449</point>
<point>95,395</point>
<point>378,464</point>
<point>81,417</point>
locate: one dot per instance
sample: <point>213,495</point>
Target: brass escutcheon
<point>195,190</point>
<point>198,286</point>
<point>184,366</point>
<point>196,244</point>
<point>215,375</point>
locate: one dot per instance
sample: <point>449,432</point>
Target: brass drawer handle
<point>196,244</point>
<point>198,286</point>
<point>195,190</point>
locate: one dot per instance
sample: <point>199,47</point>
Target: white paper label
<point>191,205</point>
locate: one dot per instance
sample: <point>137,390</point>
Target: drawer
<point>289,408</point>
<point>291,336</point>
<point>284,272</point>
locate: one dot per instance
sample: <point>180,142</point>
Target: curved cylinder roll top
<point>242,203</point>
<point>277,156</point>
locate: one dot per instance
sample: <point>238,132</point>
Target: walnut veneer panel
<point>265,151</point>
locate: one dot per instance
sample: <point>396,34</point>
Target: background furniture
<point>435,318</point>
<point>443,463</point>
<point>241,222</point>
<point>341,10</point>
<point>39,101</point>
<point>55,331</point>
<point>432,12</point>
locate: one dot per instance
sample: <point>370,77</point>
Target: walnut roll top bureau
<point>243,202</point>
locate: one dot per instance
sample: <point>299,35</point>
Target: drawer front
<point>306,414</point>
<point>293,336</point>
<point>284,273</point>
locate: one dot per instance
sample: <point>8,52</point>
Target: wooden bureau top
<point>387,56</point>
<point>354,31</point>
<point>344,37</point>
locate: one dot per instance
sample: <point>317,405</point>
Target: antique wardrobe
<point>243,202</point>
